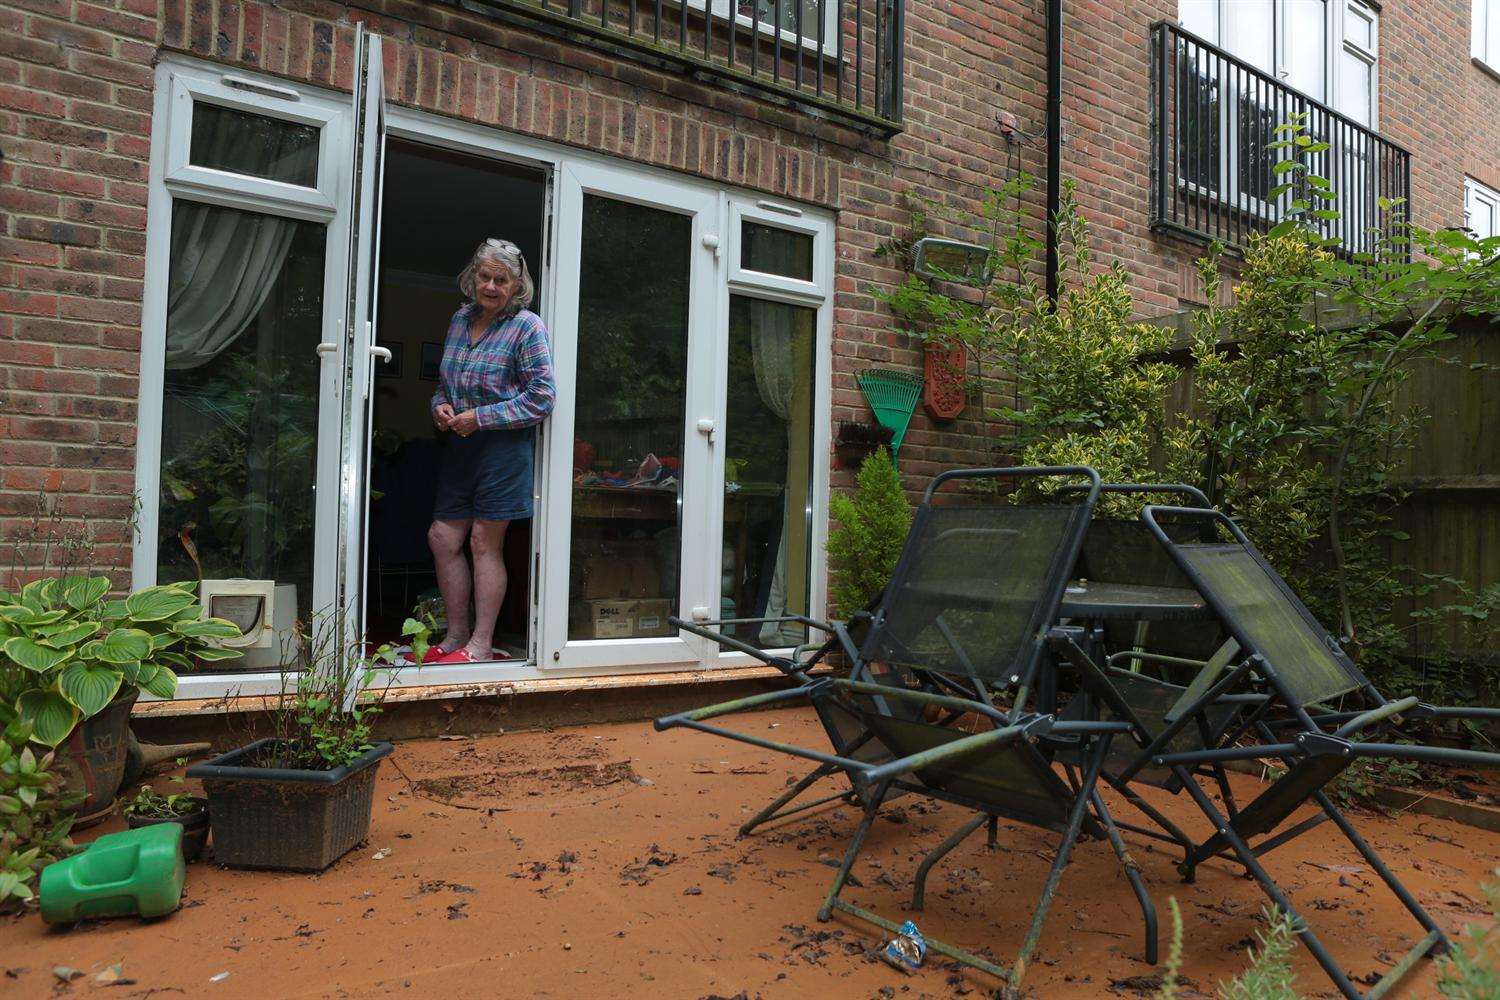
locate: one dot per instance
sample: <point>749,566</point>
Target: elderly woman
<point>495,387</point>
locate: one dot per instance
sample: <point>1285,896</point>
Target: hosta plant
<point>66,650</point>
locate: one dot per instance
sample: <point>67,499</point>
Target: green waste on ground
<point>134,872</point>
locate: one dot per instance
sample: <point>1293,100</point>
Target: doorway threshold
<point>478,689</point>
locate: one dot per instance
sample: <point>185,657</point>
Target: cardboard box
<point>622,619</point>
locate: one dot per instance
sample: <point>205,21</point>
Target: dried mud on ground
<point>603,862</point>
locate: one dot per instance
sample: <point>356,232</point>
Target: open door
<point>358,346</point>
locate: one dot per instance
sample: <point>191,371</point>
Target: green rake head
<point>893,396</point>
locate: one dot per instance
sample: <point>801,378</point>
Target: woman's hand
<point>442,416</point>
<point>465,423</point>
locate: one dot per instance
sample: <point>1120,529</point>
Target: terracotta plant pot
<point>92,758</point>
<point>194,827</point>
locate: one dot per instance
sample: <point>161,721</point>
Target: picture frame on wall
<point>392,368</point>
<point>432,357</point>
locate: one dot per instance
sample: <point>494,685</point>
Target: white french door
<point>635,352</point>
<point>356,349</point>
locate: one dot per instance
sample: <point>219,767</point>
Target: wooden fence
<point>1451,474</point>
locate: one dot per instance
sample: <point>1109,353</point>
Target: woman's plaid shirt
<point>506,377</point>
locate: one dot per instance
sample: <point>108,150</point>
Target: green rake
<point>893,395</point>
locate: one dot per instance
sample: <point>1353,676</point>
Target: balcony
<point>835,59</point>
<point>1213,117</point>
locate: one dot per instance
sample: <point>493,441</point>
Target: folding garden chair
<point>1300,670</point>
<point>967,613</point>
<point>1120,554</point>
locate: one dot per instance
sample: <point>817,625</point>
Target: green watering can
<point>119,875</point>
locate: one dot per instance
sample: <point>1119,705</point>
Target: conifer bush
<point>870,529</point>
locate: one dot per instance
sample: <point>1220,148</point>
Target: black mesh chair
<point>1299,672</point>
<point>966,615</point>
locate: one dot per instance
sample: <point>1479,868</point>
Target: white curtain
<point>771,333</point>
<point>226,264</point>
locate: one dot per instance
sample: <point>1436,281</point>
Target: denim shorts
<point>486,476</point>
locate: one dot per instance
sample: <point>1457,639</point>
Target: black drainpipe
<point>1054,138</point>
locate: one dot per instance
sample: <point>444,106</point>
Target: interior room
<point>436,207</point>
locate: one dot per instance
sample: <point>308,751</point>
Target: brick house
<point>231,231</point>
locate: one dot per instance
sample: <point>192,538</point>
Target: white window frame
<point>1485,23</point>
<point>1369,55</point>
<point>1478,198</point>
<point>172,177</point>
<point>222,187</point>
<point>807,42</point>
<point>816,294</point>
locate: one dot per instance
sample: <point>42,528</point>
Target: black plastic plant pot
<point>294,820</point>
<point>194,827</point>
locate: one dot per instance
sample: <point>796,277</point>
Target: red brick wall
<point>75,99</point>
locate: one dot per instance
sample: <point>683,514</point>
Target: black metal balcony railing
<point>838,59</point>
<point>1214,118</point>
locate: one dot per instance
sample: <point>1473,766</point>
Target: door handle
<point>383,353</point>
<point>327,347</point>
<point>706,427</point>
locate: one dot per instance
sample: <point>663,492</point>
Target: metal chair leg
<point>771,811</point>
<point>854,848</point>
<point>1049,889</point>
<point>919,885</point>
<point>1133,874</point>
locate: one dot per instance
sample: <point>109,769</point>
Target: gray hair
<point>507,255</point>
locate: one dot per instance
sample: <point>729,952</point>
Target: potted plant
<point>857,441</point>
<point>149,808</point>
<point>301,798</point>
<point>73,662</point>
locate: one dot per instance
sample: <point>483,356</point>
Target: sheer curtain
<point>225,262</point>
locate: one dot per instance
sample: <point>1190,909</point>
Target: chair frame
<point>1314,757</point>
<point>1035,736</point>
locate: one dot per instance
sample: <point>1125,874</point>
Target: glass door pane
<point>768,468</point>
<point>630,395</point>
<point>239,442</point>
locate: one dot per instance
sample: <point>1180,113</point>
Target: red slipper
<point>459,655</point>
<point>434,653</point>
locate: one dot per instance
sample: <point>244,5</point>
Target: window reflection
<point>240,402</point>
<point>629,407</point>
<point>768,468</point>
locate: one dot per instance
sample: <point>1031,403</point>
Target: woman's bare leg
<point>486,539</point>
<point>446,539</point>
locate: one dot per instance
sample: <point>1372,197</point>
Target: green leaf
<point>50,715</point>
<point>33,656</point>
<point>133,672</point>
<point>114,609</point>
<point>84,591</point>
<point>156,603</point>
<point>38,594</point>
<point>210,654</point>
<point>1282,166</point>
<point>162,684</point>
<point>207,628</point>
<point>123,645</point>
<point>89,686</point>
<point>70,634</point>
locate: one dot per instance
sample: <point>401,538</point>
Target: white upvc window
<point>1324,48</point>
<point>1481,209</point>
<point>1484,37</point>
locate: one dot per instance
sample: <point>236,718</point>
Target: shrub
<point>871,528</point>
<point>35,813</point>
